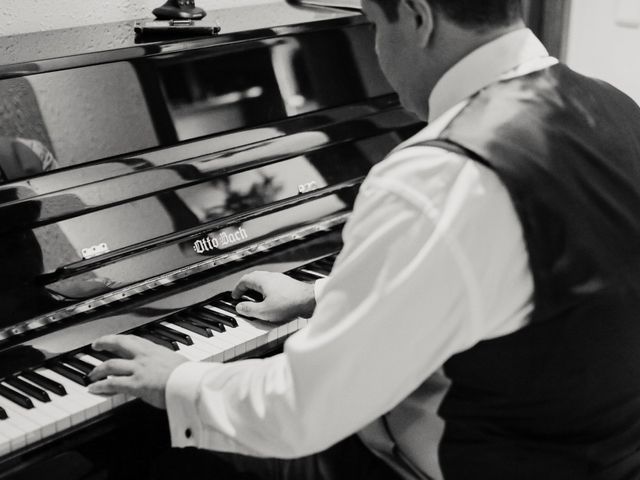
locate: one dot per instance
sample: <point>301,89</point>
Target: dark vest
<point>560,398</point>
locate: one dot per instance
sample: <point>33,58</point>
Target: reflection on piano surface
<point>177,168</point>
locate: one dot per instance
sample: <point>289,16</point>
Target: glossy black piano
<point>140,181</point>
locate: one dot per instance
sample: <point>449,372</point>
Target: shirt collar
<point>503,57</point>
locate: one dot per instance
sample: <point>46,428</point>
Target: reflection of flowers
<point>262,192</point>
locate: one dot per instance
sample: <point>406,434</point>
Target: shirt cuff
<point>182,396</point>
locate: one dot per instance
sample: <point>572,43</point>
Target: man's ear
<point>421,13</point>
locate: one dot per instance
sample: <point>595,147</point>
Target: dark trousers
<point>347,460</point>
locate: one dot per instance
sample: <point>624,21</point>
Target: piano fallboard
<point>139,183</point>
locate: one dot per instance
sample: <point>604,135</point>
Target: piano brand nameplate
<point>220,240</point>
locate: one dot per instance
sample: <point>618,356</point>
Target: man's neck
<point>514,53</point>
<point>452,44</point>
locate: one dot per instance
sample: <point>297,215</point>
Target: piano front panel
<point>178,168</point>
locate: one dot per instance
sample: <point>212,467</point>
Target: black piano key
<point>230,309</point>
<point>16,397</point>
<point>248,296</point>
<point>45,383</point>
<point>252,296</point>
<point>326,262</point>
<point>224,319</point>
<point>79,365</point>
<point>100,355</point>
<point>173,334</point>
<point>301,276</point>
<point>68,372</point>
<point>317,267</point>
<point>28,389</point>
<point>159,340</point>
<point>313,272</point>
<point>227,298</point>
<point>206,319</point>
<point>3,414</point>
<point>201,330</point>
<point>162,336</point>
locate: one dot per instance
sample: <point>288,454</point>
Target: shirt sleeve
<point>318,286</point>
<point>432,240</point>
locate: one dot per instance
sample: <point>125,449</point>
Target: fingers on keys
<point>123,346</point>
<point>112,385</point>
<point>116,366</point>
<point>251,281</point>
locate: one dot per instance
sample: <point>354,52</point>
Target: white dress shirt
<point>434,262</point>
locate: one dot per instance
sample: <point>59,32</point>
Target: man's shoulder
<point>417,158</point>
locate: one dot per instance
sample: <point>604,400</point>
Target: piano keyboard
<point>38,404</point>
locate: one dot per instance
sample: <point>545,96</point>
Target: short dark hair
<point>467,13</point>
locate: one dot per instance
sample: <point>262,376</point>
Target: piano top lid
<point>23,53</point>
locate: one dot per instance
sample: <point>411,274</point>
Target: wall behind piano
<point>23,16</point>
<point>604,42</point>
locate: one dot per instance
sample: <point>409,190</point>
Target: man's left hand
<point>142,370</point>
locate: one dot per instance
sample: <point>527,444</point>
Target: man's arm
<point>420,278</point>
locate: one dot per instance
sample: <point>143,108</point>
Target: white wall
<point>23,16</point>
<point>604,42</point>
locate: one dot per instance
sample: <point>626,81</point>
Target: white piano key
<point>190,354</point>
<point>73,402</point>
<point>225,343</point>
<point>5,443</point>
<point>93,404</point>
<point>60,418</point>
<point>26,426</point>
<point>237,338</point>
<point>255,327</point>
<point>242,332</point>
<point>292,327</point>
<point>258,330</point>
<point>31,427</point>
<point>89,359</point>
<point>282,330</point>
<point>226,346</point>
<point>52,409</point>
<point>15,435</point>
<point>44,417</point>
<point>67,404</point>
<point>196,352</point>
<point>272,335</point>
<point>203,344</point>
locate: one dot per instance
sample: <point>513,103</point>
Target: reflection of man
<point>481,321</point>
<point>22,157</point>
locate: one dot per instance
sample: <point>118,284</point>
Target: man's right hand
<point>284,297</point>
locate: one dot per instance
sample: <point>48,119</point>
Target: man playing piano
<point>481,320</point>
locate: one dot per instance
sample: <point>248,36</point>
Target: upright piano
<point>141,178</point>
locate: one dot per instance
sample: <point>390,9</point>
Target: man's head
<point>419,40</point>
<point>468,13</point>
